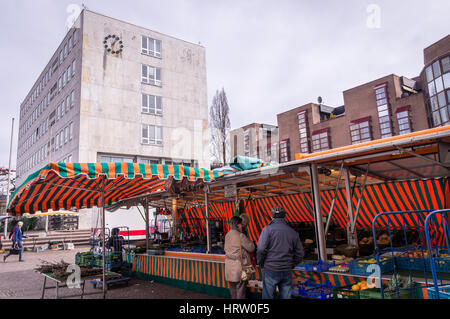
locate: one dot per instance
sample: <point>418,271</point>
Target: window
<point>284,151</point>
<point>360,131</point>
<point>65,50</point>
<point>62,108</point>
<point>320,140</point>
<point>71,131</point>
<point>68,73</point>
<point>150,161</point>
<point>60,57</point>
<point>383,110</point>
<point>75,37</point>
<point>151,104</point>
<point>247,142</point>
<point>70,44</point>
<point>72,98</point>
<point>151,75</point>
<point>59,84</point>
<point>115,159</point>
<point>151,46</point>
<point>61,138</point>
<point>438,84</point>
<point>57,112</point>
<point>73,68</point>
<point>64,79</point>
<point>303,131</point>
<point>66,134</point>
<point>151,134</point>
<point>57,141</point>
<point>67,103</point>
<point>403,120</point>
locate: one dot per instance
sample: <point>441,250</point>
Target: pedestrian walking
<point>17,244</point>
<point>245,222</point>
<point>279,250</point>
<point>238,267</point>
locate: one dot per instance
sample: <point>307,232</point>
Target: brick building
<point>388,106</point>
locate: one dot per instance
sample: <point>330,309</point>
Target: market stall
<point>73,186</point>
<point>344,188</point>
<point>347,187</point>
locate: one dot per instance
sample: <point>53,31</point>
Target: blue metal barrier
<point>437,249</point>
<point>420,227</point>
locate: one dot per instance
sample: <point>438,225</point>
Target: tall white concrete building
<point>114,91</point>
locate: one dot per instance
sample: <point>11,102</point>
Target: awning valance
<point>80,185</point>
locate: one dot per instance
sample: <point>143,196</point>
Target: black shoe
<point>4,259</point>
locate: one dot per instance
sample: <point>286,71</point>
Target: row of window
<point>64,136</point>
<point>38,157</point>
<point>438,84</point>
<point>67,159</point>
<point>127,159</point>
<point>151,104</point>
<point>72,41</point>
<point>359,132</point>
<point>383,107</point>
<point>62,108</point>
<point>62,81</point>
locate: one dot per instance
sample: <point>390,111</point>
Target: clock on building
<point>113,44</point>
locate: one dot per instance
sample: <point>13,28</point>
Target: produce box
<point>345,293</point>
<point>443,261</point>
<point>313,290</point>
<point>414,260</point>
<point>375,293</point>
<point>444,292</point>
<point>359,266</point>
<point>319,266</point>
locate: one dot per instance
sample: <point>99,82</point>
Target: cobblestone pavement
<point>19,280</point>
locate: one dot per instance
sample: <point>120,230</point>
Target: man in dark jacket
<point>279,250</point>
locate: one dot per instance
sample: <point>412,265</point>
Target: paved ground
<point>19,280</point>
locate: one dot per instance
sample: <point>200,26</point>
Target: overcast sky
<point>270,56</point>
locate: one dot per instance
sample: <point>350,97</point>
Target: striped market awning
<point>65,186</point>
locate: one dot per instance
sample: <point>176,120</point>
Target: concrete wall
<point>111,91</point>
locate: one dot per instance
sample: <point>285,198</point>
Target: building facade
<point>436,82</point>
<point>114,92</point>
<point>389,106</point>
<point>255,140</point>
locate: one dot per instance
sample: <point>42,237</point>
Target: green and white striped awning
<point>79,185</point>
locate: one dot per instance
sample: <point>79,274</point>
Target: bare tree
<point>220,126</point>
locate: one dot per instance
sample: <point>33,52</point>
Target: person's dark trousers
<point>238,289</point>
<point>272,279</point>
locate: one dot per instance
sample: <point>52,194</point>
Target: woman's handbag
<point>15,250</point>
<point>247,271</point>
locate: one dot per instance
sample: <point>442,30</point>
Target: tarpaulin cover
<point>430,194</point>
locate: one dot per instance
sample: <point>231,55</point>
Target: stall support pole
<point>351,238</point>
<point>330,214</point>
<point>208,235</point>
<point>322,250</point>
<point>104,285</point>
<point>9,180</point>
<point>147,224</point>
